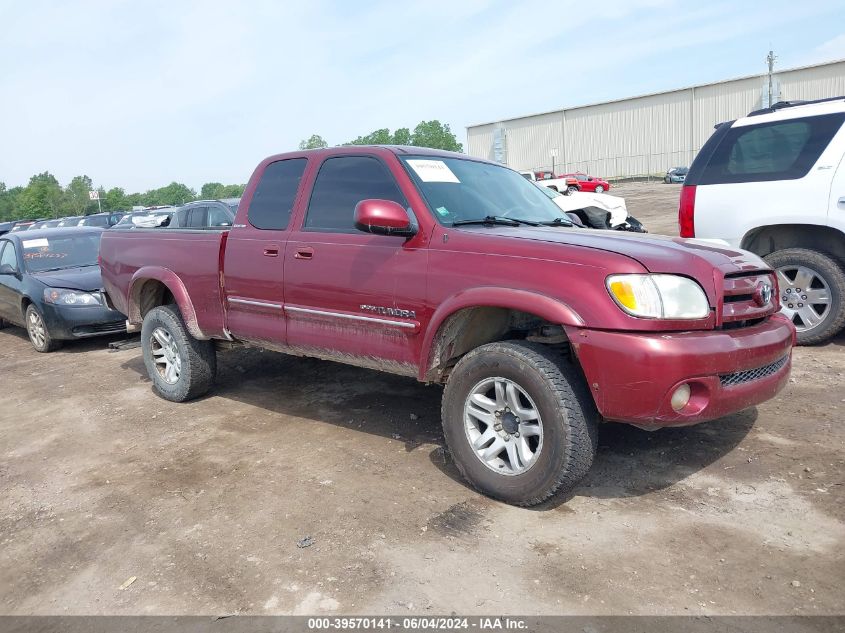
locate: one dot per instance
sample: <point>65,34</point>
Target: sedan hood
<point>84,278</point>
<point>657,253</point>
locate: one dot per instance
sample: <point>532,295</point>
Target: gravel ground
<point>302,486</point>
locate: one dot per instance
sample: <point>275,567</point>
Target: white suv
<point>773,183</point>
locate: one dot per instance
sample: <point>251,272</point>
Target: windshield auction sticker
<point>432,170</point>
<point>39,243</point>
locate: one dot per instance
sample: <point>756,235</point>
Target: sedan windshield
<point>461,191</point>
<point>56,253</point>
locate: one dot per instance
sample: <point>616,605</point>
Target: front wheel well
<point>469,328</point>
<point>768,239</point>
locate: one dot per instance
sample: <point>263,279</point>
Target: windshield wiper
<point>497,219</point>
<point>52,270</point>
<point>558,222</point>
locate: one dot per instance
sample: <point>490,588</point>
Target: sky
<point>140,94</point>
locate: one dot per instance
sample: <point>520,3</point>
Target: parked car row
<point>103,220</point>
<point>577,181</point>
<point>201,214</point>
<point>50,278</point>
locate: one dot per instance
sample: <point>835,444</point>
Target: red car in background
<point>589,183</point>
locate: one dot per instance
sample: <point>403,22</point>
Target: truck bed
<point>195,254</point>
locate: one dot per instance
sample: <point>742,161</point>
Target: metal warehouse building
<point>643,135</point>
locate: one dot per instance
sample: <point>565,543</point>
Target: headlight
<point>64,297</point>
<point>659,296</point>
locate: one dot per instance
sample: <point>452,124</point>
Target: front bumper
<point>632,375</point>
<point>73,322</point>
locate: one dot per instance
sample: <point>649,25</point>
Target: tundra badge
<point>395,312</point>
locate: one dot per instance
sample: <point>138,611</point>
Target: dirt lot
<point>204,503</point>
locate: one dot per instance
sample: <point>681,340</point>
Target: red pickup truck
<point>458,271</point>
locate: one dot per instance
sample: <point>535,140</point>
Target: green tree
<point>218,191</point>
<point>133,200</point>
<point>435,135</point>
<point>379,137</point>
<point>8,201</point>
<point>402,136</point>
<point>175,193</point>
<point>315,142</point>
<point>211,191</point>
<point>427,134</point>
<point>114,199</point>
<point>232,191</point>
<point>42,197</point>
<point>76,200</point>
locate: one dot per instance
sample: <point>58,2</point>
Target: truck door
<point>253,265</point>
<point>349,295</point>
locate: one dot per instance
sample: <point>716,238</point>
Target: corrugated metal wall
<point>644,135</point>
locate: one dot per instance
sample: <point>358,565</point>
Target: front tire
<point>812,292</point>
<point>180,367</point>
<point>38,333</point>
<point>519,421</point>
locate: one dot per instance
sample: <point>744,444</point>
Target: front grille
<point>100,328</point>
<point>740,377</point>
<point>738,298</point>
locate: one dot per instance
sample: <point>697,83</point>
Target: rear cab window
<point>776,150</point>
<point>274,197</point>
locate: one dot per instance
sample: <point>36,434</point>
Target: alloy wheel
<point>503,426</point>
<point>37,331</point>
<point>165,353</point>
<point>804,296</point>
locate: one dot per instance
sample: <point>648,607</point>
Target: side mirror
<point>6,269</point>
<point>590,179</point>
<point>383,217</point>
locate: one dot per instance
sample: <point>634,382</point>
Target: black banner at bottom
<point>377,623</point>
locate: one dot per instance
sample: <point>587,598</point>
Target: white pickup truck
<point>557,184</point>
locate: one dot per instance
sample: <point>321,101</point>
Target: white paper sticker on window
<point>433,171</point>
<point>39,243</point>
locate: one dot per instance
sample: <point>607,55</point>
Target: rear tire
<point>572,188</point>
<point>38,333</point>
<point>804,274</point>
<point>599,189</point>
<point>180,367</point>
<point>553,400</point>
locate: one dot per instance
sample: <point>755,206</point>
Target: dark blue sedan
<point>50,284</point>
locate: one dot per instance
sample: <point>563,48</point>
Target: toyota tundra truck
<point>458,271</point>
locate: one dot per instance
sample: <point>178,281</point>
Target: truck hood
<point>84,278</point>
<point>657,253</point>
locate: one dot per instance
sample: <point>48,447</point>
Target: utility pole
<point>770,60</point>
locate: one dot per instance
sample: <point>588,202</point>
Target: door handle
<point>271,251</point>
<point>304,252</point>
<point>842,200</point>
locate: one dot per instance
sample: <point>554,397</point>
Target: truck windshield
<point>459,191</point>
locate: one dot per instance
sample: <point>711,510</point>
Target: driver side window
<point>7,255</point>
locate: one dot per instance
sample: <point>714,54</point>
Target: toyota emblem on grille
<point>763,294</point>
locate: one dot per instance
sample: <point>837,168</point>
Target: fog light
<point>680,397</point>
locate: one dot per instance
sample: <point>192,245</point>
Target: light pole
<point>770,60</point>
